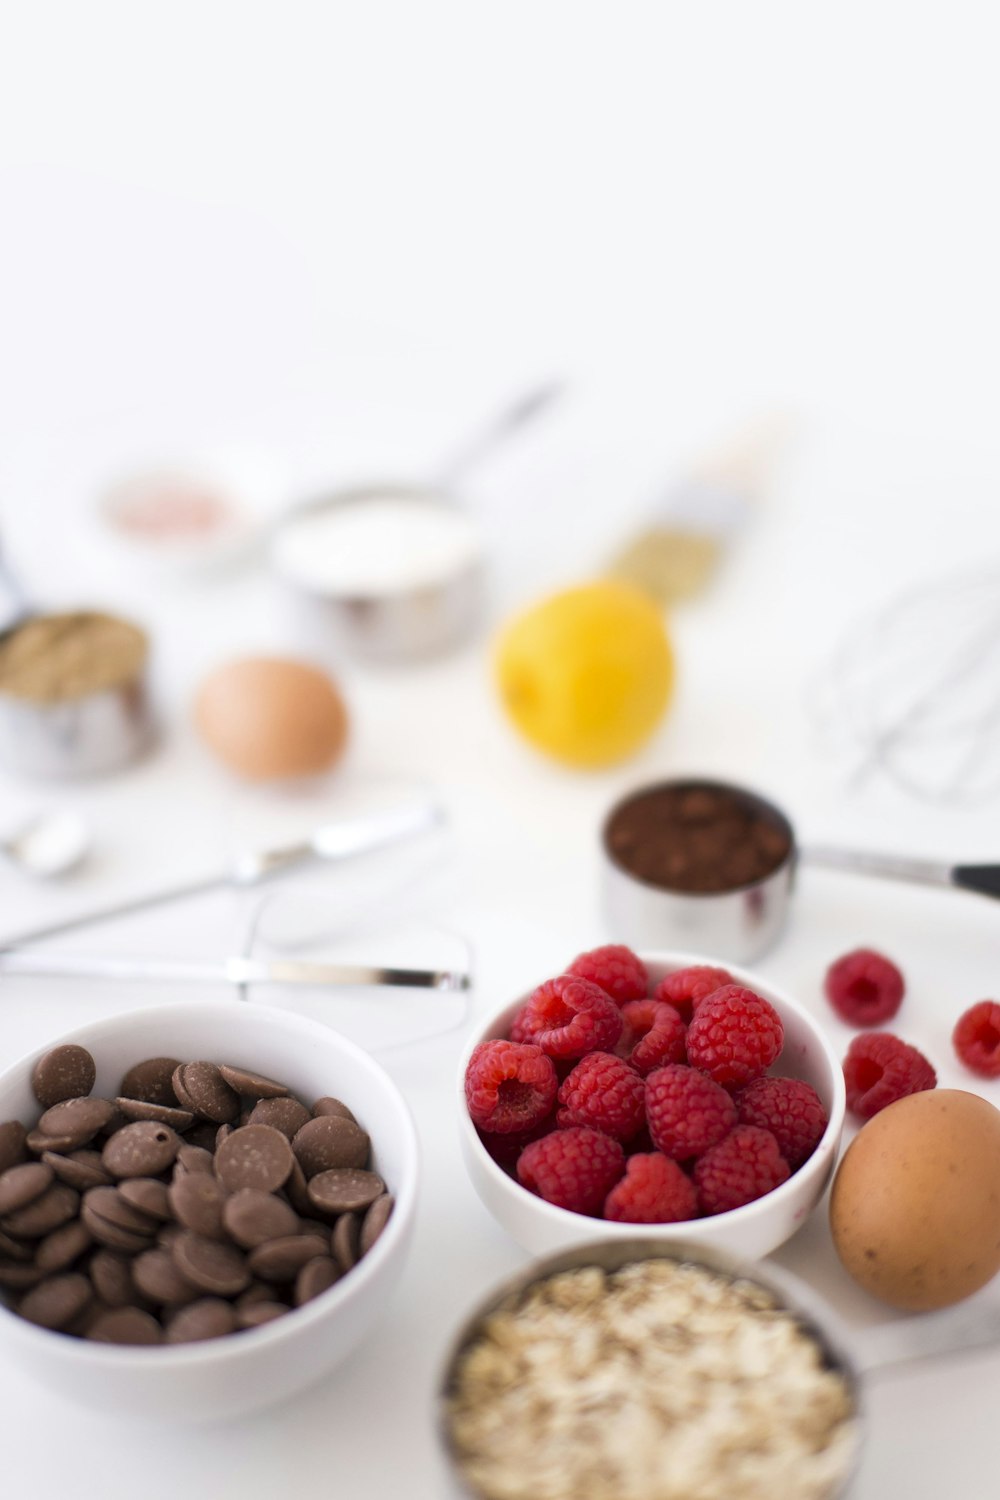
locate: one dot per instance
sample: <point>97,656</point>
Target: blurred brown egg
<point>915,1207</point>
<point>270,718</point>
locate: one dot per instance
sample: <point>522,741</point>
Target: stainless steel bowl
<point>738,925</point>
<point>386,625</point>
<point>791,1294</point>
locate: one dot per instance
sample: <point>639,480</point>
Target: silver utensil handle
<point>885,866</point>
<point>450,475</point>
<point>235,970</point>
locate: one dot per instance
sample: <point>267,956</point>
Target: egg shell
<point>271,718</point>
<point>915,1205</point>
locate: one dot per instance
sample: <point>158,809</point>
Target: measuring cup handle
<point>954,1330</point>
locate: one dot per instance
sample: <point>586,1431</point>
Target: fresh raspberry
<point>604,1092</point>
<point>505,1149</point>
<point>790,1109</point>
<point>509,1087</point>
<point>744,1166</point>
<point>522,1027</point>
<point>977,1038</point>
<point>569,1017</point>
<point>654,1190</point>
<point>879,1069</point>
<point>735,1036</point>
<point>618,971</point>
<point>574,1168</point>
<point>686,988</point>
<point>864,988</point>
<point>686,1111</point>
<point>653,1035</point>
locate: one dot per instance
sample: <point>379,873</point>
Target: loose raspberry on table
<point>654,1190</point>
<point>604,1092</point>
<point>976,1038</point>
<point>790,1109</point>
<point>879,1069</point>
<point>741,1168</point>
<point>569,1017</point>
<point>686,1111</point>
<point>734,1036</point>
<point>864,987</point>
<point>509,1086</point>
<point>574,1168</point>
<point>653,1035</point>
<point>618,971</point>
<point>685,989</point>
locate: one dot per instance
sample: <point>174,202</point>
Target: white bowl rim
<point>672,960</point>
<point>277,1332</point>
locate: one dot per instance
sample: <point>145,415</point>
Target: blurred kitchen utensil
<point>332,841</point>
<point>235,969</point>
<point>394,572</point>
<point>47,846</point>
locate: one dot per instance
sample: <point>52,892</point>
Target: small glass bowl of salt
<point>393,573</point>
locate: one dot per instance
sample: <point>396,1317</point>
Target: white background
<point>330,239</point>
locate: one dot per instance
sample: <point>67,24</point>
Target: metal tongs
<point>332,842</point>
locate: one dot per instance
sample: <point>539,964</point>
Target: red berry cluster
<point>865,989</point>
<point>642,1107</point>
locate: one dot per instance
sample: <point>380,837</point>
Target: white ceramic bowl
<point>225,1377</point>
<point>750,1232</point>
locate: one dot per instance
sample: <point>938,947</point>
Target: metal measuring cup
<point>740,924</point>
<point>854,1354</point>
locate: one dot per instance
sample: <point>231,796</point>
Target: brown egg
<point>915,1207</point>
<point>268,718</point>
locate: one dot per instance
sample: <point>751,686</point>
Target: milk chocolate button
<point>218,1269</point>
<point>282,1259</point>
<point>38,1142</point>
<point>12,1144</point>
<point>202,1135</point>
<point>108,1204</point>
<point>208,1318</point>
<point>148,1196</point>
<point>67,1072</point>
<point>13,1249</point>
<point>375,1221</point>
<point>150,1081</point>
<point>111,1277</point>
<point>157,1277</point>
<point>193,1159</point>
<point>125,1325</point>
<point>78,1119</point>
<point>252,1217</point>
<point>197,1200</point>
<point>344,1190</point>
<point>140,1150</point>
<point>22,1185</point>
<point>57,1205</point>
<point>200,1087</point>
<point>17,1276</point>
<point>259,1313</point>
<point>255,1156</point>
<point>286,1115</point>
<point>55,1301</point>
<point>329,1142</point>
<point>328,1106</point>
<point>315,1277</point>
<point>165,1114</point>
<point>346,1235</point>
<point>313,1226</point>
<point>63,1246</point>
<point>297,1190</point>
<point>251,1085</point>
<point>80,1169</point>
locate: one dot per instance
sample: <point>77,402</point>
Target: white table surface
<point>220,232</point>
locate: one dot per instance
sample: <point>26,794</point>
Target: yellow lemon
<point>586,674</point>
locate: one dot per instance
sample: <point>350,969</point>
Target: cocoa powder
<point>697,837</point>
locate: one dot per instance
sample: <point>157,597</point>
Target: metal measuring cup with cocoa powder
<point>697,864</point>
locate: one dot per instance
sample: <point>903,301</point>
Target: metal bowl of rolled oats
<point>632,1371</point>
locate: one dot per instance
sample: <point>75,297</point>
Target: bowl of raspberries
<point>659,1093</point>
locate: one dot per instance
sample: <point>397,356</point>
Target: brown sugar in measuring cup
<point>697,863</point>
